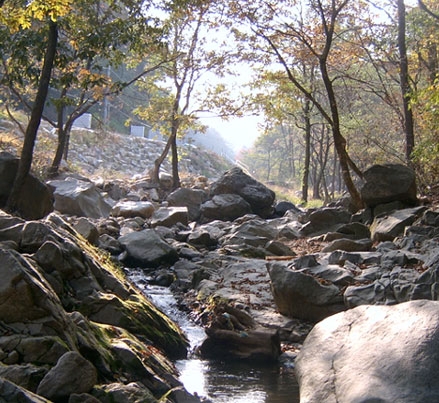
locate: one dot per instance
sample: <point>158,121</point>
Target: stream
<point>221,382</point>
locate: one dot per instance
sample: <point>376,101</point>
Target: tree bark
<point>339,140</point>
<point>305,179</point>
<point>405,85</point>
<point>53,170</point>
<point>175,174</point>
<point>35,119</point>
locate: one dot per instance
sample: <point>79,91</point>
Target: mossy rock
<point>140,317</point>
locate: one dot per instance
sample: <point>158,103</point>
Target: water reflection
<point>239,382</point>
<point>221,382</point>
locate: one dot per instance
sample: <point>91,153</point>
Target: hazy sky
<point>238,132</point>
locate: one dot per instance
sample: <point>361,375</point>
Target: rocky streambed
<point>269,283</point>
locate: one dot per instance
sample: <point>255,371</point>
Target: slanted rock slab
<point>10,392</point>
<point>373,354</point>
<point>302,296</point>
<point>386,228</point>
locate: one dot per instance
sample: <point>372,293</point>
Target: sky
<point>238,132</point>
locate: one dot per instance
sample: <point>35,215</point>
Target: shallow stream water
<point>221,382</point>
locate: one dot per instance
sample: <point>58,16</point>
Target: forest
<point>341,84</point>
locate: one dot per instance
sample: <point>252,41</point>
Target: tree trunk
<point>405,86</point>
<point>339,140</point>
<point>334,174</point>
<point>306,163</point>
<point>158,162</point>
<point>53,170</point>
<point>175,175</point>
<point>35,119</point>
<point>432,62</point>
<point>268,165</point>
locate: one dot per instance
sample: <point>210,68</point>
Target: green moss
<point>143,318</point>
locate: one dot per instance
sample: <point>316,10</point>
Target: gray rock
<point>27,376</point>
<point>373,354</point>
<point>279,249</point>
<point>248,345</point>
<point>79,198</point>
<point>289,231</point>
<point>332,273</point>
<point>387,183</point>
<point>190,198</point>
<point>431,217</point>
<point>389,227</point>
<point>340,257</point>
<point>325,219</point>
<point>10,392</point>
<point>165,180</point>
<point>24,295</point>
<point>82,398</point>
<point>169,216</point>
<point>283,206</point>
<point>386,208</point>
<point>147,249</point>
<point>256,227</point>
<point>301,295</point>
<point>355,229</point>
<point>34,235</point>
<point>87,229</point>
<point>225,207</point>
<point>72,374</point>
<point>133,392</point>
<point>131,209</point>
<point>235,181</point>
<point>367,294</point>
<point>41,350</point>
<point>110,244</point>
<point>349,245</point>
<point>35,200</point>
<point>202,237</point>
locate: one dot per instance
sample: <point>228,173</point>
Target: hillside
<point>108,154</point>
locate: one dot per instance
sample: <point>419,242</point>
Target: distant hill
<point>211,140</point>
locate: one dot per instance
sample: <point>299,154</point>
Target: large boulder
<point>225,207</point>
<point>72,374</point>
<point>301,295</point>
<point>373,354</point>
<point>388,183</point>
<point>147,249</point>
<point>235,181</point>
<point>190,198</point>
<point>35,201</point>
<point>80,198</point>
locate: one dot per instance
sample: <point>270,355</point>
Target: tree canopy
<point>332,78</point>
